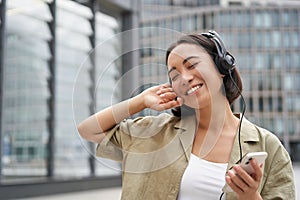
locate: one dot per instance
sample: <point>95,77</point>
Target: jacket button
<point>173,190</point>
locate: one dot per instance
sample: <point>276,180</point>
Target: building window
<point>261,104</point>
<point>243,19</point>
<point>250,104</point>
<point>290,18</point>
<point>270,104</point>
<point>279,104</point>
<point>276,39</point>
<point>275,18</point>
<point>225,20</point>
<point>234,3</point>
<point>245,40</point>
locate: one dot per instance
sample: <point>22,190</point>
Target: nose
<point>187,77</point>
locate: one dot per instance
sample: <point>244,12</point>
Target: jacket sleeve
<point>120,136</point>
<point>280,178</point>
<point>111,146</point>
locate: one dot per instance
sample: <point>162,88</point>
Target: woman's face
<point>193,75</point>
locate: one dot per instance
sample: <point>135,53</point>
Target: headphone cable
<point>240,124</point>
<point>242,116</point>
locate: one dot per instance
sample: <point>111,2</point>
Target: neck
<point>216,117</point>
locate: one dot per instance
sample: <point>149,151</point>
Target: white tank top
<point>202,180</point>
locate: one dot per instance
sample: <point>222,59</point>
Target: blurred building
<point>264,38</point>
<point>61,60</point>
<point>28,84</point>
<point>59,63</point>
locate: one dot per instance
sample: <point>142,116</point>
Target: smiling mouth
<point>193,89</point>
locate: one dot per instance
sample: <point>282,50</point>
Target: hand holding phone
<point>246,165</point>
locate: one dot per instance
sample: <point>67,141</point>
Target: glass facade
<point>27,87</point>
<point>166,8</point>
<point>107,91</point>
<point>73,43</point>
<point>265,42</point>
<point>26,92</point>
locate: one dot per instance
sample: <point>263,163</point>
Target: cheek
<point>176,87</point>
<point>211,76</point>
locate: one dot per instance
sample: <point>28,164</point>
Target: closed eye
<point>193,65</point>
<point>173,78</point>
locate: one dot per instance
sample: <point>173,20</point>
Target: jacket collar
<point>186,123</point>
<point>248,132</point>
<point>187,128</point>
<point>248,136</point>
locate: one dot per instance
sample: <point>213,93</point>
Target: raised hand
<point>161,97</point>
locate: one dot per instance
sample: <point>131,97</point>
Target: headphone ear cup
<point>222,65</point>
<point>230,60</point>
<point>225,64</point>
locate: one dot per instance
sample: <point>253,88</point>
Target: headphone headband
<point>224,61</point>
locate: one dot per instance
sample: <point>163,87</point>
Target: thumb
<point>180,101</point>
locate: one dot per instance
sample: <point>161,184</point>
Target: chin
<point>197,104</point>
<point>194,105</point>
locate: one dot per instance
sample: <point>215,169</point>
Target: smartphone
<point>259,156</point>
<point>246,165</point>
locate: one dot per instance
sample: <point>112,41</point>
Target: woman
<point>191,154</point>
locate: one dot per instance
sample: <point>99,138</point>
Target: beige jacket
<point>155,151</point>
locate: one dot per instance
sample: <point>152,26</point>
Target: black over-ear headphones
<point>225,61</point>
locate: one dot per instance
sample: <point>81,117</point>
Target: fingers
<point>243,175</point>
<point>165,105</point>
<point>257,170</point>
<point>230,182</point>
<point>162,97</point>
<point>236,182</point>
<point>166,93</point>
<point>164,88</point>
<point>170,104</point>
<point>243,183</point>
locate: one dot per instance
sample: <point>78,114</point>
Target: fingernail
<point>180,100</point>
<point>228,179</point>
<point>236,167</point>
<point>230,172</point>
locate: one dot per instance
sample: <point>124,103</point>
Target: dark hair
<point>231,91</point>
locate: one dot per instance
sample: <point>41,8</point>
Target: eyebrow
<point>188,58</point>
<point>183,62</point>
